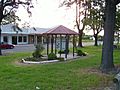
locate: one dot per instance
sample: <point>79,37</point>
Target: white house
<point>26,36</point>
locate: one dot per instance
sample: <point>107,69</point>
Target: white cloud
<point>47,14</point>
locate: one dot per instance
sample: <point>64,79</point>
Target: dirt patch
<point>19,63</point>
<point>93,71</point>
<point>106,80</point>
<point>6,54</point>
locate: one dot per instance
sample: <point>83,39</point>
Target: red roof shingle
<point>61,30</point>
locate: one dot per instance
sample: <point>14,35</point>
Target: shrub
<point>38,51</point>
<point>80,53</point>
<point>30,59</point>
<point>34,59</point>
<point>115,46</point>
<point>66,51</point>
<point>63,51</point>
<point>52,56</point>
<point>60,58</point>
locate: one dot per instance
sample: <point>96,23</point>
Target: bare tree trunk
<point>0,39</point>
<point>96,40</point>
<point>80,39</point>
<point>1,15</point>
<point>118,38</point>
<point>107,50</point>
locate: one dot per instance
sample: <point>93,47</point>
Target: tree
<point>94,18</point>
<point>81,14</point>
<point>8,7</point>
<point>109,27</point>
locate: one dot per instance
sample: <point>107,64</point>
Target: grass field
<point>81,74</point>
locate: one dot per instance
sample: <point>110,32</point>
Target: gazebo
<point>59,36</point>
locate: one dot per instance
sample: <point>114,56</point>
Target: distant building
<point>25,36</point>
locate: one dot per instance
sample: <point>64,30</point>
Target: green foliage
<point>52,56</point>
<point>80,53</point>
<point>30,59</point>
<point>35,59</point>
<point>38,52</point>
<point>63,51</point>
<point>60,58</point>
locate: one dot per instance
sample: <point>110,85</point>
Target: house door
<point>14,40</point>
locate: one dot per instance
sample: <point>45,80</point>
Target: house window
<point>20,39</point>
<point>24,39</point>
<point>5,39</point>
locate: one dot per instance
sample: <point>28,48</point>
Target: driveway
<point>31,47</point>
<point>20,48</point>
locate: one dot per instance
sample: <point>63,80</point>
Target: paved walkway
<point>69,56</point>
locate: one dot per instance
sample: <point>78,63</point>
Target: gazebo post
<point>66,47</point>
<point>60,44</point>
<point>55,44</point>
<point>52,39</point>
<point>47,44</point>
<point>73,44</point>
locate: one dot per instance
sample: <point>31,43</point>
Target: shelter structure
<point>59,37</point>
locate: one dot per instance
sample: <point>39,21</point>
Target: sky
<point>46,14</point>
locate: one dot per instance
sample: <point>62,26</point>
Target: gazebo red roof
<point>61,30</point>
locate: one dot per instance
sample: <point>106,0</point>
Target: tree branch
<point>117,2</point>
<point>2,2</point>
<point>8,13</point>
<point>16,3</point>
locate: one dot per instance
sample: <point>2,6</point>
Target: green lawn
<point>80,74</point>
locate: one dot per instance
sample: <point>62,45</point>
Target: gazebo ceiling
<point>60,30</point>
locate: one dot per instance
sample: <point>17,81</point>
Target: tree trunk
<point>118,38</point>
<point>0,40</point>
<point>80,39</point>
<point>1,17</point>
<point>96,40</point>
<point>107,50</point>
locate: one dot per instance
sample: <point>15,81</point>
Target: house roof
<point>37,30</point>
<point>60,30</point>
<point>8,29</point>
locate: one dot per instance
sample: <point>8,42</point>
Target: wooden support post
<point>60,44</point>
<point>73,44</point>
<point>55,44</point>
<point>66,47</point>
<point>52,40</point>
<point>47,45</point>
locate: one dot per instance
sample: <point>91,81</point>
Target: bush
<point>60,58</point>
<point>66,51</point>
<point>52,56</point>
<point>38,52</point>
<point>30,59</point>
<point>35,59</point>
<point>63,51</point>
<point>80,53</point>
